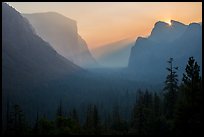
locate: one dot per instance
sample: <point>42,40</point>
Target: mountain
<point>148,58</point>
<point>164,32</point>
<point>26,58</point>
<point>114,54</point>
<point>62,34</point>
<point>29,64</point>
<point>200,23</point>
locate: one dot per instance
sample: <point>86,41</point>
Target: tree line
<point>177,110</point>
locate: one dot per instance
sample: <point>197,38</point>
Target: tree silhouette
<point>60,116</point>
<point>36,126</point>
<point>60,109</point>
<point>189,110</point>
<point>74,115</point>
<point>92,124</point>
<point>171,88</point>
<point>17,122</point>
<point>192,81</point>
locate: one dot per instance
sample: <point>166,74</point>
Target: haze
<point>101,23</point>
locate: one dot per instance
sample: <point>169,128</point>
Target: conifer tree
<point>171,90</point>
<point>189,110</point>
<point>192,81</point>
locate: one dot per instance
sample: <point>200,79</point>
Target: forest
<point>177,110</point>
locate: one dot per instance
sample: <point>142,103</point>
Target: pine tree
<point>107,122</point>
<point>143,114</point>
<point>46,127</point>
<point>157,105</point>
<point>192,81</point>
<point>137,114</point>
<point>189,110</point>
<point>60,109</point>
<point>36,126</point>
<point>60,116</point>
<point>117,121</point>
<point>96,120</point>
<point>73,122</point>
<point>88,123</point>
<point>171,88</point>
<point>74,115</point>
<point>92,123</point>
<point>17,119</point>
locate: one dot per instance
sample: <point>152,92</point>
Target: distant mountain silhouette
<point>149,55</point>
<point>26,58</point>
<point>164,32</point>
<point>61,32</point>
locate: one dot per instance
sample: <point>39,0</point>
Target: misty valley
<point>53,84</point>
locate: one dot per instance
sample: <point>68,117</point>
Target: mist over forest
<point>53,84</point>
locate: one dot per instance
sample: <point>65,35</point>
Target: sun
<point>169,22</point>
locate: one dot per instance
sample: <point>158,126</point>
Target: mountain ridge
<point>62,34</point>
<point>25,55</point>
<point>154,51</point>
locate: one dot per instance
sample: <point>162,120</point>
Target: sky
<point>100,23</point>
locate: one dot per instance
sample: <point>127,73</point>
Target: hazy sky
<point>100,23</point>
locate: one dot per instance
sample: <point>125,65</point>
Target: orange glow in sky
<point>101,23</point>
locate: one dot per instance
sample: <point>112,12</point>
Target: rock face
<point>148,58</point>
<point>165,32</point>
<point>61,33</point>
<point>26,58</point>
<point>28,62</point>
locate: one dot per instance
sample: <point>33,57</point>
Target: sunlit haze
<point>100,23</point>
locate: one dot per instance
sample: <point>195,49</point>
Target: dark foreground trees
<point>16,122</point>
<point>176,112</point>
<point>189,110</point>
<point>171,90</point>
